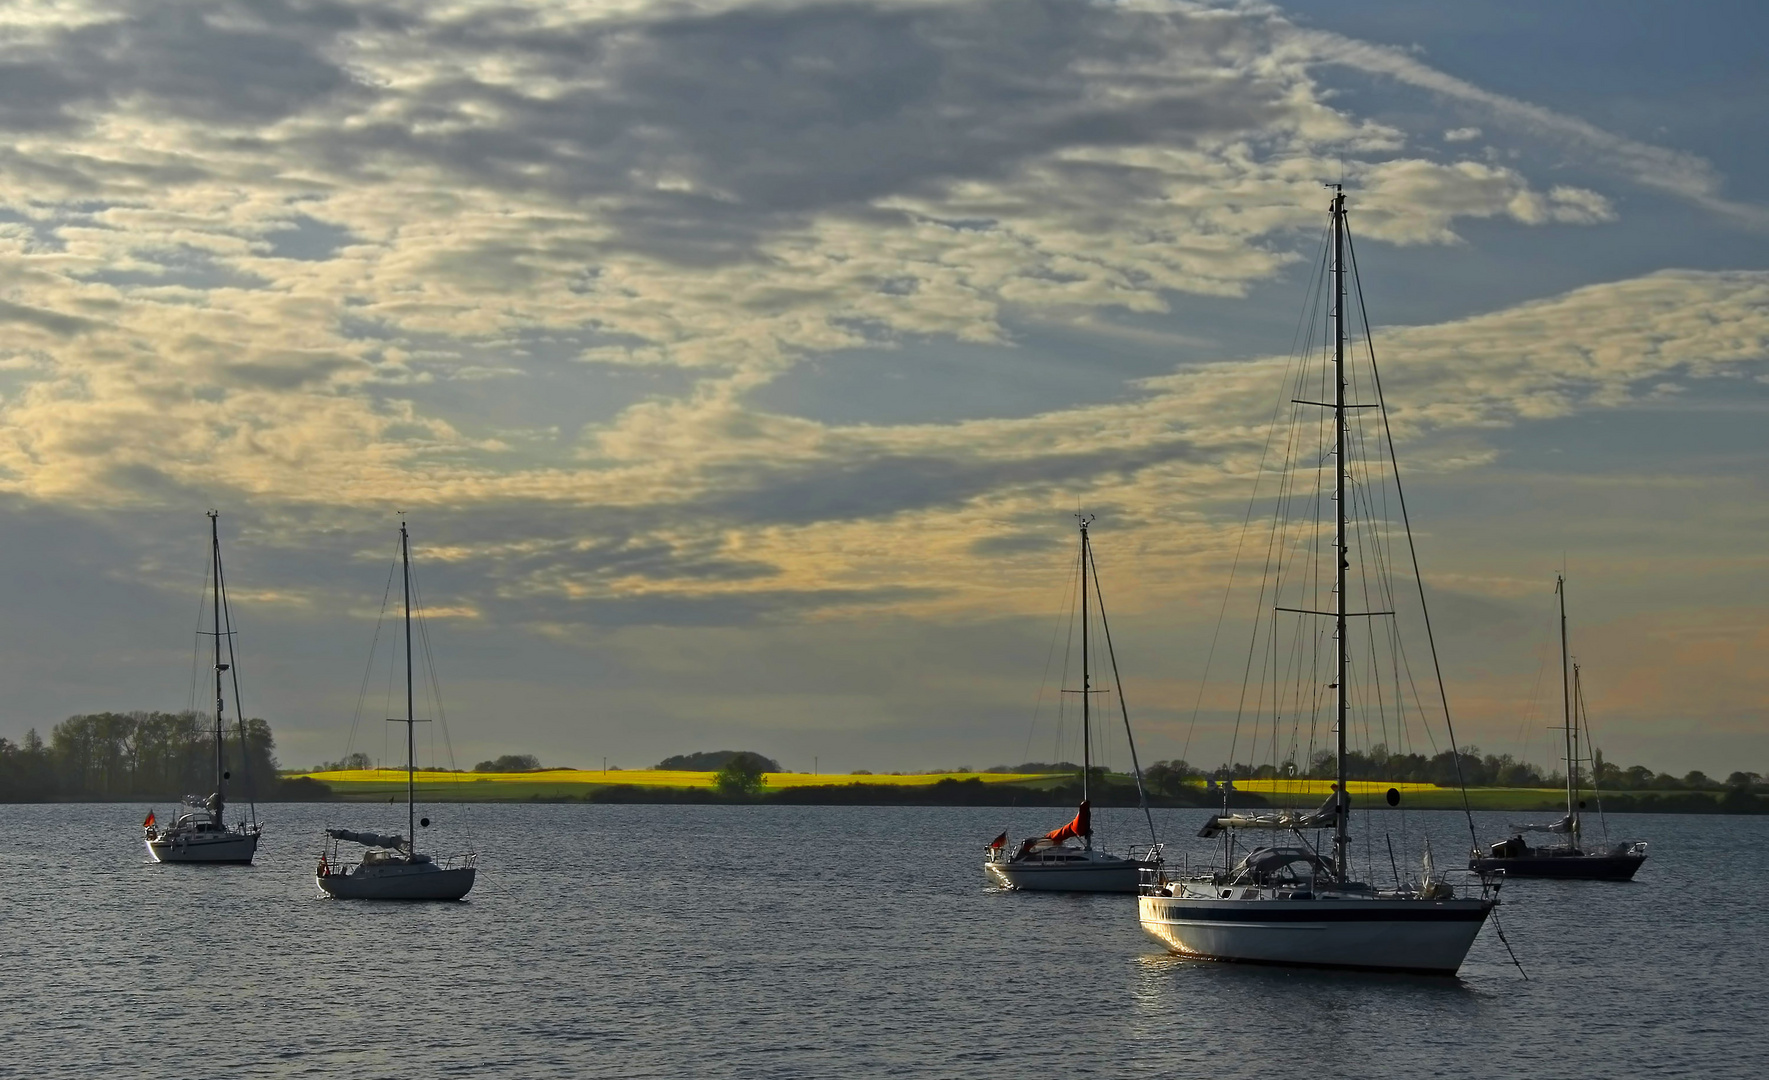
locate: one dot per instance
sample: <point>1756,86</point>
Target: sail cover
<point>368,839</point>
<point>1081,826</point>
<point>1564,825</point>
<point>1318,819</point>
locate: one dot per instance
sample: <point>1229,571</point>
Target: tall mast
<point>1086,680</point>
<point>411,746</point>
<point>215,570</point>
<point>1572,808</point>
<point>1341,839</point>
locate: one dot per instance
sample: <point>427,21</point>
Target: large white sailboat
<point>392,868</point>
<point>1291,899</point>
<point>200,833</point>
<point>1051,863</point>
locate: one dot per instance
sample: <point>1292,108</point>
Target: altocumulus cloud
<point>240,232</point>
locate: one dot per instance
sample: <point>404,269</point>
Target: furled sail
<point>1081,826</point>
<point>368,839</point>
<point>1564,825</point>
<point>1317,819</point>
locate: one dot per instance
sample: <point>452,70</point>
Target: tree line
<point>1450,769</point>
<point>139,755</point>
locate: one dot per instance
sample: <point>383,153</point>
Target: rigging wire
<point>1123,707</point>
<point>196,650</point>
<point>1418,577</point>
<point>1583,716</point>
<point>1065,617</point>
<point>435,685</point>
<point>369,666</point>
<point>1273,549</point>
<point>1303,325</point>
<point>1062,704</point>
<point>233,669</point>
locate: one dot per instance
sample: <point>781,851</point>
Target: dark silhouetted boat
<point>1569,859</point>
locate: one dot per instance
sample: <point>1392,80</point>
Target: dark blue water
<point>667,941</point>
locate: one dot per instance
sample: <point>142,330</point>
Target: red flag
<point>149,821</point>
<point>999,842</point>
<point>1081,826</point>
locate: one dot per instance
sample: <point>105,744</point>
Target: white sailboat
<point>392,868</point>
<point>1289,901</point>
<point>200,834</point>
<point>1051,863</point>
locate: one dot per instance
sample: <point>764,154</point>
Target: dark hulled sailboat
<point>1514,857</point>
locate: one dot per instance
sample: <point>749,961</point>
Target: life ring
<point>324,870</point>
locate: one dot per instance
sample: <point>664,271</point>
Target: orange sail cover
<point>1081,826</point>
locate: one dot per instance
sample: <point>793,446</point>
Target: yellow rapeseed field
<point>648,777</point>
<point>1323,788</point>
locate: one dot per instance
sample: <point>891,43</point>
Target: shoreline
<point>975,791</point>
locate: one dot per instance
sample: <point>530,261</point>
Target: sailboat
<point>1050,863</point>
<point>392,868</point>
<point>200,834</point>
<point>1514,857</point>
<point>1292,900</point>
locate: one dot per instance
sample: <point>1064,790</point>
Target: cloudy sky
<point>739,366</point>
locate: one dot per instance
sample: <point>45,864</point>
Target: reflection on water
<point>815,941</point>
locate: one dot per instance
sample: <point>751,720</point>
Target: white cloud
<point>221,277</point>
<point>1675,172</point>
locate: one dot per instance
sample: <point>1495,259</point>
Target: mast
<point>1572,807</point>
<point>215,569</point>
<point>1341,839</point>
<point>411,746</point>
<point>1086,679</point>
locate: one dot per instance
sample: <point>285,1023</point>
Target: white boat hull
<point>233,847</point>
<point>1098,873</point>
<point>1405,935</point>
<point>421,881</point>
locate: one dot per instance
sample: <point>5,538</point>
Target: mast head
<point>1085,520</point>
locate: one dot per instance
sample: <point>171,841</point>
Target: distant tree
<point>1743,780</point>
<point>741,775</point>
<point>714,760</point>
<point>1696,780</point>
<point>1168,777</point>
<point>348,763</point>
<point>139,755</point>
<point>510,763</point>
<point>1032,768</point>
<point>27,773</point>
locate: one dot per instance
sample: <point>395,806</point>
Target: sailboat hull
<point>1113,876</point>
<point>1425,937</point>
<point>1566,867</point>
<point>417,882</point>
<point>223,848</point>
